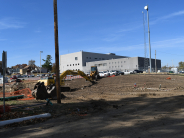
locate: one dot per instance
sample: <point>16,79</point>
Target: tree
<point>164,67</point>
<point>31,63</point>
<point>181,65</point>
<point>54,68</point>
<point>48,63</point>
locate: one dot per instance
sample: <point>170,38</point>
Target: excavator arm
<point>71,72</point>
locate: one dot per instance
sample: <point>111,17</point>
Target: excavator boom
<point>71,72</point>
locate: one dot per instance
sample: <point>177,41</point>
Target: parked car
<point>31,75</point>
<point>38,75</point>
<point>18,76</point>
<point>113,72</point>
<point>13,77</point>
<point>101,74</point>
<point>24,76</point>
<point>120,72</point>
<point>106,73</point>
<point>137,71</point>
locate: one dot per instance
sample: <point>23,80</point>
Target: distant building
<point>23,71</point>
<point>78,60</point>
<point>12,70</point>
<point>37,70</point>
<point>84,60</point>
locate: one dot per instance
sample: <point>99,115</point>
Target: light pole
<point>146,8</point>
<point>40,63</point>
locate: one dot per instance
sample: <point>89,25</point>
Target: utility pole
<point>155,63</point>
<point>40,63</point>
<point>56,53</point>
<point>4,66</point>
<point>146,8</point>
<point>145,49</point>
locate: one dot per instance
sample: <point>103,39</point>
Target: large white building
<point>84,60</point>
<point>77,61</point>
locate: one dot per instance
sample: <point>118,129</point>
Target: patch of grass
<point>13,102</point>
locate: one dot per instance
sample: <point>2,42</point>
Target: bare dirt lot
<point>113,108</point>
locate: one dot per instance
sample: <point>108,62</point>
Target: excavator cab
<point>94,73</point>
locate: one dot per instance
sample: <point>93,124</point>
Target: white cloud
<point>175,42</point>
<point>10,23</point>
<point>167,17</point>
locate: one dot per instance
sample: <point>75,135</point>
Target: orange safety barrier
<point>25,99</point>
<point>112,76</point>
<point>26,92</point>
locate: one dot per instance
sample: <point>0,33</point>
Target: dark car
<point>137,71</point>
<point>120,72</point>
<point>13,77</point>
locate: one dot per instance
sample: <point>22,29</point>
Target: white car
<point>112,72</point>
<point>104,74</point>
<point>101,74</point>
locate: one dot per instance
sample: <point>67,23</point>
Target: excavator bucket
<point>40,91</point>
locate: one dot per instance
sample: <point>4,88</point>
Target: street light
<point>40,63</point>
<point>146,8</point>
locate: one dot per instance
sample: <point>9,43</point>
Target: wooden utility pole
<point>56,53</point>
<point>155,63</point>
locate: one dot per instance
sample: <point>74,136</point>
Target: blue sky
<point>101,26</point>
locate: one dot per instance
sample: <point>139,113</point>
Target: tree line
<point>180,66</point>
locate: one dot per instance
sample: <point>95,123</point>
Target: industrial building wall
<point>88,57</point>
<point>71,61</point>
<point>84,60</point>
<point>141,63</point>
<point>123,64</point>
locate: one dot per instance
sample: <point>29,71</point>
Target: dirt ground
<point>114,108</point>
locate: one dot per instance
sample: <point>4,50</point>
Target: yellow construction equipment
<point>50,80</point>
<point>45,88</point>
<point>94,75</point>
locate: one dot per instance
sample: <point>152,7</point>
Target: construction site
<point>100,82</point>
<point>135,105</point>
